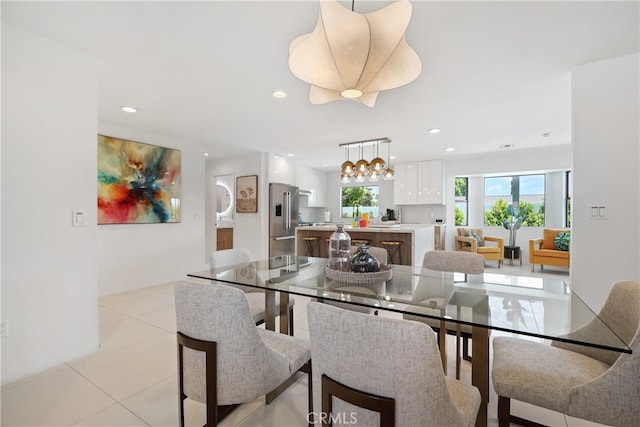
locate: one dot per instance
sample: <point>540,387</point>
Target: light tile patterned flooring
<point>131,380</point>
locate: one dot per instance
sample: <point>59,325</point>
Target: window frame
<point>376,195</point>
<point>509,201</point>
<point>462,200</point>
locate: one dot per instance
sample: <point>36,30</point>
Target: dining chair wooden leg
<point>504,411</point>
<point>385,406</point>
<point>505,419</point>
<point>214,412</point>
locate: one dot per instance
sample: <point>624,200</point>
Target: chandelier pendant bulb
<point>347,168</point>
<point>388,173</point>
<point>377,164</point>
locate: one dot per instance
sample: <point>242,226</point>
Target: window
<point>462,201</point>
<point>358,200</point>
<point>524,193</point>
<point>568,192</point>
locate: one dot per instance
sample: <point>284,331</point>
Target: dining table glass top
<point>533,306</point>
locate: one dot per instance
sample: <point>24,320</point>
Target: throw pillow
<point>475,236</point>
<point>561,242</point>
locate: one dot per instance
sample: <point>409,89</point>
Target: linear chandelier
<point>355,56</point>
<point>363,170</point>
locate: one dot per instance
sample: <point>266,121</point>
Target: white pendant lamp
<point>355,56</point>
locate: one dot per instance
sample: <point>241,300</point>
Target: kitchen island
<point>416,239</point>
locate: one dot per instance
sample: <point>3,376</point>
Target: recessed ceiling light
<point>290,155</point>
<point>128,109</point>
<point>325,165</point>
<point>279,94</point>
<point>449,149</point>
<point>434,131</point>
<point>277,157</point>
<point>206,154</point>
<point>392,157</point>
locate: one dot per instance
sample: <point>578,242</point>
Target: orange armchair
<point>543,251</point>
<point>465,241</point>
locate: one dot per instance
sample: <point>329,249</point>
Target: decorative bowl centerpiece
<point>385,273</point>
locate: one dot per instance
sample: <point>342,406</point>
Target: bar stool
<point>312,244</point>
<point>358,242</point>
<point>394,248</point>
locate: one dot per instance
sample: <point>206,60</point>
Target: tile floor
<point>131,380</point>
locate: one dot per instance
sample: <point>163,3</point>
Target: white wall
<point>606,139</point>
<point>133,256</point>
<point>250,230</point>
<point>49,149</point>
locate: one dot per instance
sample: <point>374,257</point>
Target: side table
<point>512,252</point>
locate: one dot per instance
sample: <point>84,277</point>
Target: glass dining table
<point>532,306</point>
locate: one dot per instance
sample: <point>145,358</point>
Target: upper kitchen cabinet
<point>313,186</point>
<point>430,183</point>
<point>419,183</point>
<point>282,170</point>
<point>405,184</point>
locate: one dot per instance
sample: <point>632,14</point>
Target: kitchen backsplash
<point>423,214</point>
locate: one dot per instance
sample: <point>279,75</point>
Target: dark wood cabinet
<point>224,239</point>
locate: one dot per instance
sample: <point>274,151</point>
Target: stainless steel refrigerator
<point>283,219</point>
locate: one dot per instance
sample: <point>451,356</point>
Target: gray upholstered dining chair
<point>583,382</point>
<point>459,262</point>
<point>238,256</point>
<point>390,366</point>
<point>223,359</point>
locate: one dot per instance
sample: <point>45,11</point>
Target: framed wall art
<point>247,194</point>
<point>137,183</point>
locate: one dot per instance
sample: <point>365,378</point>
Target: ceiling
<point>494,73</point>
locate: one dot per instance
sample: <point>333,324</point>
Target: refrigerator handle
<point>287,210</point>
<point>284,238</point>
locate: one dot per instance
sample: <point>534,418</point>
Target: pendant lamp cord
<point>353,4</point>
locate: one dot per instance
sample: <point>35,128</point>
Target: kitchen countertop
<point>373,228</point>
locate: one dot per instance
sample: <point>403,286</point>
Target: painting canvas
<point>137,183</point>
<point>247,194</point>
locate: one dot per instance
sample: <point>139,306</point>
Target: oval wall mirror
<point>224,197</point>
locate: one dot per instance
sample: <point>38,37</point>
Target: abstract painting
<point>137,183</point>
<point>247,194</point>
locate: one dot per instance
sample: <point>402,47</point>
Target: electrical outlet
<point>4,328</point>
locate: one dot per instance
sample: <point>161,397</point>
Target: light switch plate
<point>78,218</point>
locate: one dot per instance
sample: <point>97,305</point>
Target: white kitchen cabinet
<point>405,184</point>
<point>315,182</point>
<point>430,182</point>
<point>419,183</point>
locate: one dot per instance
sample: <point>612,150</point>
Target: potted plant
<point>513,221</point>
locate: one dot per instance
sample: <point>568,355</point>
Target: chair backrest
<point>460,262</point>
<point>378,253</point>
<point>621,312</point>
<point>612,398</point>
<point>388,357</point>
<point>227,257</point>
<point>246,365</point>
